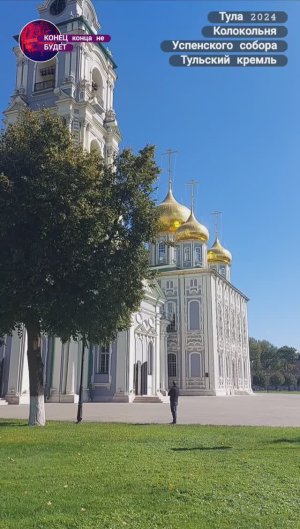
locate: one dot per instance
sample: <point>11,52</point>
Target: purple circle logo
<point>31,40</point>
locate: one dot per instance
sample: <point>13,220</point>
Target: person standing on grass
<point>174,394</point>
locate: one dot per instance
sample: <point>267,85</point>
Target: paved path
<point>257,410</point>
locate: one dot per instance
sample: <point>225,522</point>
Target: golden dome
<point>192,230</point>
<point>218,254</point>
<point>171,214</point>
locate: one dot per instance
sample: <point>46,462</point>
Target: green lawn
<point>114,476</point>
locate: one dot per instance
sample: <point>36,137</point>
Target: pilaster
<point>55,389</point>
<point>18,378</point>
<point>69,393</point>
<point>121,394</point>
<point>182,332</point>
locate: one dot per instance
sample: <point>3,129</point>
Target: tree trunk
<point>36,377</point>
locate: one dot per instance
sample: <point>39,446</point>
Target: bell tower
<point>78,85</point>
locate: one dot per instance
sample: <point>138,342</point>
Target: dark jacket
<point>174,394</point>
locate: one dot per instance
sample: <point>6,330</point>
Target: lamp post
<point>79,409</point>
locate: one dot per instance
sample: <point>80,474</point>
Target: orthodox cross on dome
<point>218,217</point>
<point>192,184</point>
<point>169,153</point>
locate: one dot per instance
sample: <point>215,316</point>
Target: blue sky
<point>236,130</point>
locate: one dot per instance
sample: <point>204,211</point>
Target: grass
<point>115,476</point>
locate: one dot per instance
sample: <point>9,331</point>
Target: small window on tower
<point>198,255</point>
<point>187,254</point>
<point>45,76</point>
<point>162,252</point>
<point>97,86</point>
<point>175,255</point>
<point>222,270</point>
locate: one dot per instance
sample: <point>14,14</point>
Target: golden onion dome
<point>171,214</point>
<point>218,254</point>
<point>192,230</point>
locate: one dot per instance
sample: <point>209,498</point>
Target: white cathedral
<point>192,323</point>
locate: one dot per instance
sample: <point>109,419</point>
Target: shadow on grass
<point>9,424</point>
<point>284,440</point>
<point>202,448</point>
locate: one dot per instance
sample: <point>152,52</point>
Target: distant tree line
<point>273,366</point>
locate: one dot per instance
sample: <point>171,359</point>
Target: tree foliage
<point>269,364</point>
<point>72,232</point>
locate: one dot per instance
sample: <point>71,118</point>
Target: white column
<point>211,349</point>
<point>131,357</point>
<point>71,352</point>
<point>73,55</point>
<point>55,389</point>
<point>86,391</point>
<point>121,394</point>
<point>111,96</point>
<point>182,334</point>
<point>83,133</point>
<point>163,360</point>
<point>157,352</point>
<point>18,380</point>
<point>19,73</point>
<point>25,76</point>
<point>67,57</point>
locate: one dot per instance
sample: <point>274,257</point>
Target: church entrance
<point>141,378</point>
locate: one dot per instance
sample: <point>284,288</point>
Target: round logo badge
<point>31,40</point>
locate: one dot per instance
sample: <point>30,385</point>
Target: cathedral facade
<point>192,322</point>
<point>207,337</point>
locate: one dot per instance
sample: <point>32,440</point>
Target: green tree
<point>277,379</point>
<point>287,357</point>
<point>269,357</point>
<point>72,232</point>
<point>255,353</point>
<point>260,380</point>
<point>290,380</point>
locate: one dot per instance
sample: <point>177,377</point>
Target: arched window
<point>175,255</point>
<point>150,358</point>
<point>172,365</point>
<point>95,146</point>
<point>162,252</point>
<point>195,365</point>
<point>187,254</point>
<point>97,85</point>
<point>198,255</point>
<point>194,316</point>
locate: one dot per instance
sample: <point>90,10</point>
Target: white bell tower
<point>79,85</point>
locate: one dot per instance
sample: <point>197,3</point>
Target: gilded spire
<point>218,254</point>
<point>171,214</point>
<point>192,229</point>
